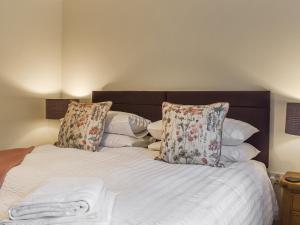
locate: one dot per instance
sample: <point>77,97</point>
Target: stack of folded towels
<point>83,201</point>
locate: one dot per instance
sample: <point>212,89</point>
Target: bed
<point>153,192</point>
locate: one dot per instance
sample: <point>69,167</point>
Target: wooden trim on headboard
<point>250,106</point>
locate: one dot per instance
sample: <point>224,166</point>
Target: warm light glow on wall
<point>38,86</point>
<point>48,128</point>
<point>36,82</point>
<point>78,86</point>
<point>285,81</point>
<point>82,84</point>
<point>33,79</point>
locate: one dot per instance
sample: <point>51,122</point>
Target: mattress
<point>153,192</point>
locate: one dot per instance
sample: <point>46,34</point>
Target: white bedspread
<point>153,192</point>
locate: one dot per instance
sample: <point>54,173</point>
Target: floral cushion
<point>192,134</point>
<point>83,126</point>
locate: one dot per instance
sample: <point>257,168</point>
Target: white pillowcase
<point>118,141</point>
<point>126,123</point>
<point>155,129</point>
<point>239,153</point>
<point>235,132</point>
<point>155,146</point>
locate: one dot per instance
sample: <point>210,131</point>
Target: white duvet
<point>152,192</point>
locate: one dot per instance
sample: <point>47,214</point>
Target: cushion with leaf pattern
<point>192,134</point>
<point>83,126</point>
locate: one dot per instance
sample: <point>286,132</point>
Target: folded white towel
<point>65,201</point>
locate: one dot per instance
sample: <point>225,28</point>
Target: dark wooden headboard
<point>250,106</point>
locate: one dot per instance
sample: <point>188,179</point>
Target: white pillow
<point>118,141</point>
<point>239,153</point>
<point>155,146</point>
<point>126,123</point>
<point>155,129</point>
<point>235,132</point>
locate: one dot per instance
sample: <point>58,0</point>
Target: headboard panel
<point>250,106</point>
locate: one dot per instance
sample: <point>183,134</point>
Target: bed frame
<point>249,106</point>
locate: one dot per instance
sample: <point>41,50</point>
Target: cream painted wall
<point>188,45</point>
<point>30,69</point>
<point>145,45</point>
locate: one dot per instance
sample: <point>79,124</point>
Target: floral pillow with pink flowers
<point>192,134</point>
<point>83,126</point>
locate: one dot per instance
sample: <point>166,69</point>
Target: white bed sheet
<point>153,192</point>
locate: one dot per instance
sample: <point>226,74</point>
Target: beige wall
<point>188,45</point>
<point>145,45</point>
<point>30,69</point>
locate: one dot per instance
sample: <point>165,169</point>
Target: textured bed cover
<point>153,192</point>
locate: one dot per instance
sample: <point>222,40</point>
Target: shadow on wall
<point>162,74</point>
<point>22,118</point>
<point>173,75</point>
